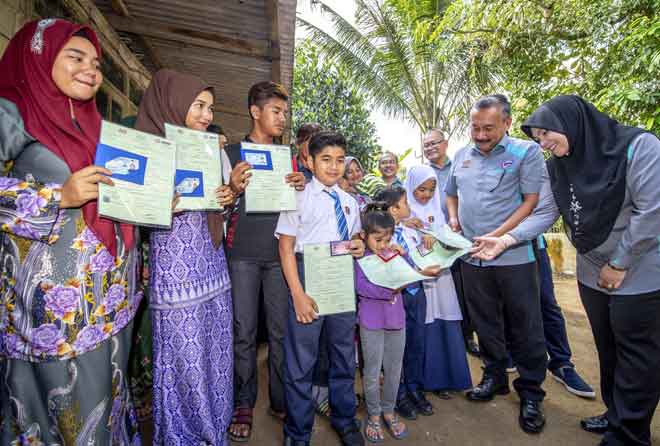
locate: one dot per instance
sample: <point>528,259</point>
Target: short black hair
<point>306,131</point>
<point>390,196</point>
<point>325,138</point>
<point>376,217</point>
<point>494,100</point>
<point>263,91</point>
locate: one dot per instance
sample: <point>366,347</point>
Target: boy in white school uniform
<point>324,213</point>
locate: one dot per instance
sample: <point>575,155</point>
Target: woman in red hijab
<point>68,280</point>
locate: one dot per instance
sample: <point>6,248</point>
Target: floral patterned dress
<point>66,308</point>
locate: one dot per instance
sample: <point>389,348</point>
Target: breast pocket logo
<point>507,164</point>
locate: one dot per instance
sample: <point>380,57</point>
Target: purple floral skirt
<point>193,373</point>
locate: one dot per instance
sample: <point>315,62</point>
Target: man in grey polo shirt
<point>492,186</point>
<point>434,146</point>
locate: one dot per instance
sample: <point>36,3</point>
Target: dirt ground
<point>459,422</point>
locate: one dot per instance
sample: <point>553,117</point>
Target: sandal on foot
<point>373,427</point>
<point>242,417</point>
<point>393,427</point>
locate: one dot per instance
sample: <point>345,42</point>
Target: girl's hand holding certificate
<point>225,196</point>
<point>83,186</point>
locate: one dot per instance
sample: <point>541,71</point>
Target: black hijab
<point>589,184</point>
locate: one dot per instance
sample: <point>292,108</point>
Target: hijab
<point>348,161</point>
<point>431,212</point>
<point>167,100</point>
<point>26,80</point>
<point>589,184</point>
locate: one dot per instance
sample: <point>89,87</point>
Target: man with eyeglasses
<point>434,146</point>
<point>388,164</point>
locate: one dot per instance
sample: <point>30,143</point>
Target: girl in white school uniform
<point>445,361</point>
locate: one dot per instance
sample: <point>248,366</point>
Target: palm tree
<point>399,54</point>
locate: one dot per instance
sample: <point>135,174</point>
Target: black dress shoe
<point>595,425</point>
<point>472,347</point>
<point>488,388</point>
<point>351,435</point>
<point>531,417</point>
<point>424,407</point>
<point>406,408</point>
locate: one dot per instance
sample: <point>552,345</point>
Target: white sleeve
<point>287,224</point>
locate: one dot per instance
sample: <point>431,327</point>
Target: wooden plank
<point>191,37</point>
<point>119,7</point>
<point>272,12</point>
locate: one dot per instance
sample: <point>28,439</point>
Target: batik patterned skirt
<point>193,373</point>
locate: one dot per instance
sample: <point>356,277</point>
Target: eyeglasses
<point>436,142</point>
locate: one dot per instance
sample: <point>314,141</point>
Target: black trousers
<point>503,298</point>
<point>626,329</point>
<point>466,324</point>
<point>247,278</point>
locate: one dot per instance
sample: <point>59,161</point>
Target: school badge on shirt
<point>466,164</point>
<point>431,219</point>
<point>347,210</point>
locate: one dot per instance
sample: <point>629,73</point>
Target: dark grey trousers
<point>626,329</point>
<point>248,277</point>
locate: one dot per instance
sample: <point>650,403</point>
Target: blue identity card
<point>258,159</point>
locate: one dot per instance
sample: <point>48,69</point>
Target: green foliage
<point>398,54</point>
<point>606,51</point>
<point>325,93</point>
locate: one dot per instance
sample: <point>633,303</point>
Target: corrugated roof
<point>230,43</point>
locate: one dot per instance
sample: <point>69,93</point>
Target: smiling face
<point>354,173</point>
<point>425,191</point>
<point>378,239</point>
<point>200,113</point>
<point>271,116</point>
<point>435,146</point>
<point>328,165</point>
<point>555,142</point>
<point>76,70</point>
<point>388,165</point>
<point>488,126</point>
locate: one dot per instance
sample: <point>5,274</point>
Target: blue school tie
<point>342,226</point>
<point>398,233</point>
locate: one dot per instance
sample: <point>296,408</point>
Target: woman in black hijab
<point>605,180</point>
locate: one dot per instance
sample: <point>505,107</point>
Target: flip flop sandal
<point>393,426</point>
<point>241,416</point>
<point>373,426</point>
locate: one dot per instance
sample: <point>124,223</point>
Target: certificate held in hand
<point>329,279</point>
<point>142,168</point>
<point>267,191</point>
<point>198,168</point>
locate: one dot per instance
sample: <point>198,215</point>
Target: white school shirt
<point>314,220</point>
